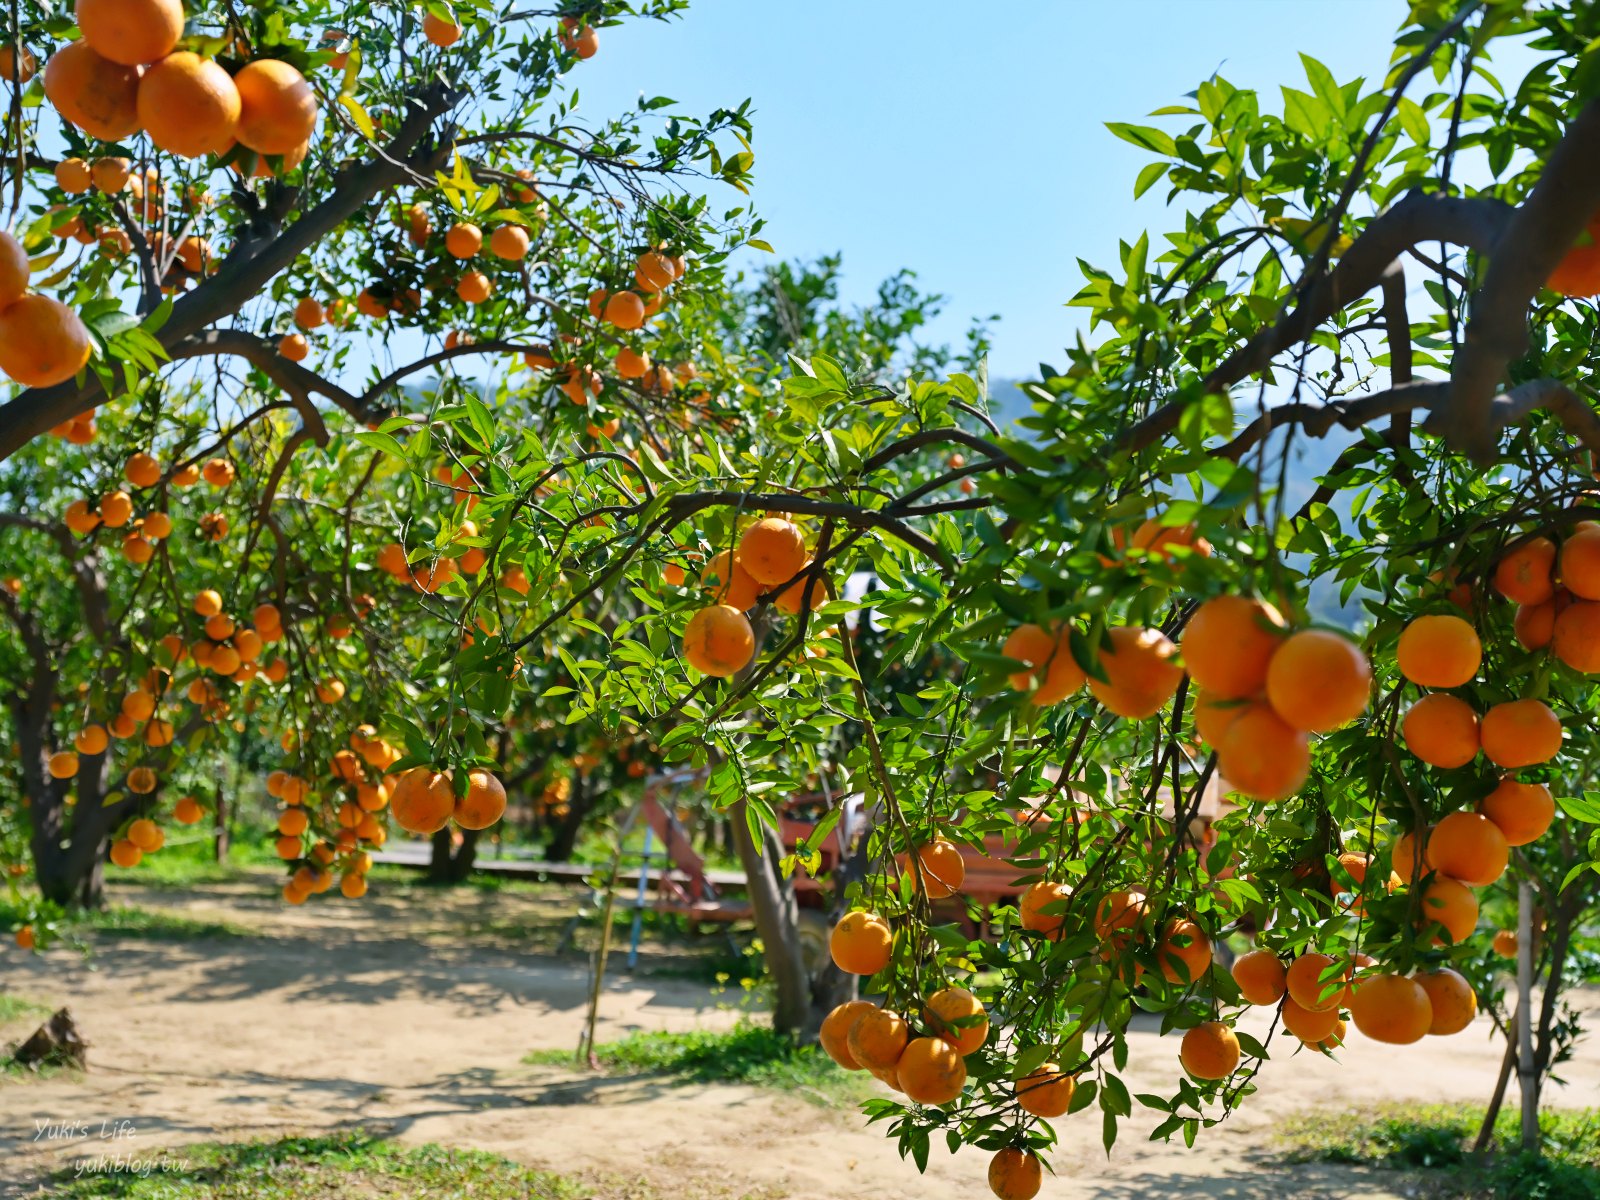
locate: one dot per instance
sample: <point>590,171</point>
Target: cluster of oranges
<point>143,472</point>
<point>424,801</point>
<point>771,558</point>
<point>360,789</point>
<point>126,74</point>
<point>143,836</point>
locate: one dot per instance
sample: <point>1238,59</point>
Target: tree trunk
<point>69,867</point>
<point>450,863</point>
<point>1527,1068</point>
<point>219,827</point>
<point>801,999</point>
<point>580,803</point>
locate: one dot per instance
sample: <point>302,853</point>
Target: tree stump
<point>56,1043</point>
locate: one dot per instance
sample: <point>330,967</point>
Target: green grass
<point>327,1168</point>
<point>15,1008</point>
<point>1437,1139</point>
<point>747,1053</point>
<point>120,921</point>
<point>191,864</point>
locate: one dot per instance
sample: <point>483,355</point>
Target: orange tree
<point>245,236</point>
<point>1124,585</point>
<point>1122,589</point>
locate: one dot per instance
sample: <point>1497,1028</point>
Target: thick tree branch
<point>1420,217</point>
<point>1541,230</point>
<point>247,271</point>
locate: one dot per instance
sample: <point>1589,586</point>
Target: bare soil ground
<point>409,1013</point>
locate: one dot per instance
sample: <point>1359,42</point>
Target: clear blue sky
<point>913,133</point>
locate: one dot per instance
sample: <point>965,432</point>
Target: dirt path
<point>379,1015</point>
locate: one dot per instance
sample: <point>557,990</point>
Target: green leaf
<point>1147,178</point>
<point>1147,136</point>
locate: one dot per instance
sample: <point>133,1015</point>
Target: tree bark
<point>580,803</point>
<point>1527,1069</point>
<point>777,921</point>
<point>450,863</point>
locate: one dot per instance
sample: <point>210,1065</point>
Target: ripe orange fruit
<point>99,96</point>
<point>74,176</point>
<point>62,765</point>
<point>729,582</point>
<point>1318,681</point>
<point>877,1039</point>
<point>1015,1174</point>
<point>1521,811</point>
<point>187,811</point>
<point>14,270</point>
<point>111,174</point>
<point>1451,999</point>
<point>793,597</point>
<point>1046,1092</point>
<point>942,869</point>
<point>484,803</point>
<point>1505,943</point>
<point>509,242</point>
<point>1037,647</point>
<point>91,739</point>
<point>1228,643</point>
<point>474,287</point>
<point>8,65</point>
<point>142,470</point>
<point>719,641</point>
<point>42,341</point>
<point>836,1029</point>
<point>131,31</point>
<point>1441,730</point>
<point>1039,896</point>
<point>125,854</point>
<point>1578,272</point>
<point>931,1071</point>
<point>292,822</point>
<point>189,105</point>
<point>218,472</point>
<point>1580,563</point>
<point>955,1015</point>
<point>1184,952</point>
<point>1261,977</point>
<point>463,239</point>
<point>585,43</point>
<point>278,109</point>
<point>1452,904</point>
<point>1306,986</point>
<point>294,347</point>
<point>625,310</point>
<point>440,32</point>
<point>423,801</point>
<point>1209,1051</point>
<point>352,886</point>
<point>1309,1025</point>
<point>1470,847</point>
<point>631,364</point>
<point>861,943</point>
<point>1521,733</point>
<point>773,550</point>
<point>653,272</point>
<point>1575,635</point>
<point>1534,624</point>
<point>1391,1009</point>
<point>1525,576</point>
<point>116,509</point>
<point>142,780</point>
<point>1213,715</point>
<point>1406,859</point>
<point>1439,652</point>
<point>208,603</point>
<point>1262,756</point>
<point>1141,672</point>
<point>1119,910</point>
<point>309,313</point>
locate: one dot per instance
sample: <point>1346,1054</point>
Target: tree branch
<point>1540,232</point>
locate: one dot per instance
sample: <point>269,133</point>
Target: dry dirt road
<point>382,1014</point>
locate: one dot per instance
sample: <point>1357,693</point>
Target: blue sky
<point>912,133</point>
